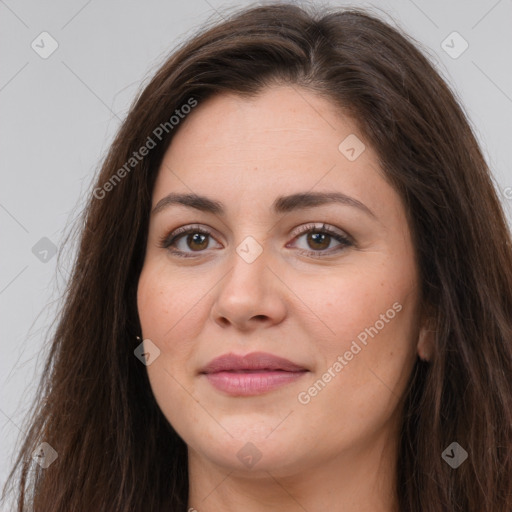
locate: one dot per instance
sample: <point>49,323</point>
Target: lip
<point>251,374</point>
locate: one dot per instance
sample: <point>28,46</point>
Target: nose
<point>251,294</point>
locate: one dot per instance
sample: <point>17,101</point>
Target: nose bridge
<point>248,261</point>
<point>251,248</point>
<point>246,291</point>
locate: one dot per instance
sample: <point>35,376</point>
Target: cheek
<point>369,350</point>
<point>367,315</point>
<point>165,311</point>
<point>351,302</point>
<point>172,313</point>
<point>165,304</point>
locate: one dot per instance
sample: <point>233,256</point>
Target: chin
<point>254,459</point>
<point>249,449</point>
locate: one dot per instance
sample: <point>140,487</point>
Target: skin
<point>338,451</point>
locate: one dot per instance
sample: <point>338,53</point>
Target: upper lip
<point>253,361</point>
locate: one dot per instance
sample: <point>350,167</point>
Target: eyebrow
<point>282,204</point>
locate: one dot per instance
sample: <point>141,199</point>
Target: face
<point>330,286</point>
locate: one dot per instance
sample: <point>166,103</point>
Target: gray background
<point>60,114</point>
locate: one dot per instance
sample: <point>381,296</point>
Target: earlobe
<point>425,346</point>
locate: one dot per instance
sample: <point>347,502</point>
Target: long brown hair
<point>116,451</point>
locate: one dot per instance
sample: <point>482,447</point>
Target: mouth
<point>252,374</point>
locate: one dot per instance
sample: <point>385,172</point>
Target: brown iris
<point>323,241</point>
<point>195,237</point>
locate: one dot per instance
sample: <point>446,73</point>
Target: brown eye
<point>196,241</point>
<point>186,240</point>
<point>318,241</point>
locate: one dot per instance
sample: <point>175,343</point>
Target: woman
<point>304,302</point>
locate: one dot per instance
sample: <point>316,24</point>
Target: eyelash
<point>168,240</point>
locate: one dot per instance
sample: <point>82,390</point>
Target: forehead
<point>287,117</point>
<point>284,140</point>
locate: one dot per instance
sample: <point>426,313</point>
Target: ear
<point>426,339</point>
<point>425,347</point>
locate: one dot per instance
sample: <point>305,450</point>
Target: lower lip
<point>251,383</point>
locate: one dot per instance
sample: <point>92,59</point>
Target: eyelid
<point>322,226</point>
<point>341,236</point>
<point>171,236</point>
